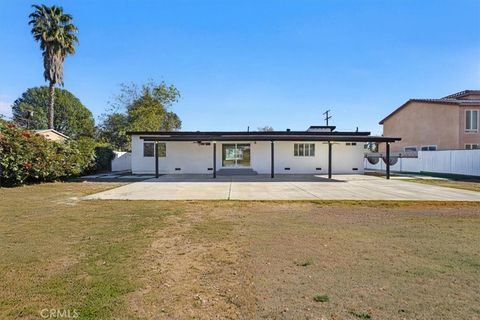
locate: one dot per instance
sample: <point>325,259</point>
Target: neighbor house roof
<point>260,136</point>
<point>45,133</point>
<point>461,94</point>
<point>452,99</point>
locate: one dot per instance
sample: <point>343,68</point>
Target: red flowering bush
<point>27,157</point>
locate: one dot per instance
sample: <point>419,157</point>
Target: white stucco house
<point>318,150</point>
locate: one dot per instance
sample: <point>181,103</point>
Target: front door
<point>236,155</point>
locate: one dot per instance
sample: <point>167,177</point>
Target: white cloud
<point>6,109</point>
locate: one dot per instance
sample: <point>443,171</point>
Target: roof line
<point>461,94</point>
<point>417,100</point>
<point>52,130</point>
<point>248,133</point>
<point>273,138</point>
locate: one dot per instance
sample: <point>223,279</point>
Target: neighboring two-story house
<point>451,122</point>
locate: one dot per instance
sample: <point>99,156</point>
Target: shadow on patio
<point>243,178</point>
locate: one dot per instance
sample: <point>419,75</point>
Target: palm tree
<point>57,36</point>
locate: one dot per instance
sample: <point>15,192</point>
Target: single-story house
<point>318,150</point>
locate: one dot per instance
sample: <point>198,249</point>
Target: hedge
<point>26,157</point>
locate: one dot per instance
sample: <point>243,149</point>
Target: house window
<point>472,146</point>
<point>304,149</point>
<point>149,149</point>
<point>471,120</point>
<point>410,149</point>
<point>429,148</point>
<point>351,143</point>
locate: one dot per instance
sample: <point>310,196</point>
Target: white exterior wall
<point>122,161</point>
<point>192,157</point>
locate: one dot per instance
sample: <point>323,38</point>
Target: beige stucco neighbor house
<point>451,122</point>
<point>51,134</point>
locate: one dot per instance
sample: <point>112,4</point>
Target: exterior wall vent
<point>287,169</point>
<point>178,169</point>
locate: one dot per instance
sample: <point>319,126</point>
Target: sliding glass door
<point>236,155</point>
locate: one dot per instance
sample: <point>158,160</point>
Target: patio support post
<point>388,161</point>
<point>156,159</point>
<point>329,160</point>
<point>272,166</point>
<point>214,159</point>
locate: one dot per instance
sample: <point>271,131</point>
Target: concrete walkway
<point>282,187</point>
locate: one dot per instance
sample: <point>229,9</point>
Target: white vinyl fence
<point>122,161</point>
<point>463,162</point>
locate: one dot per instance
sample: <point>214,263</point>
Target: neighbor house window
<point>472,146</point>
<point>149,149</point>
<point>410,149</point>
<point>351,143</point>
<point>304,149</point>
<point>471,121</point>
<point>429,148</point>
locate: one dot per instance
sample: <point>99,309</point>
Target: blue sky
<point>255,63</point>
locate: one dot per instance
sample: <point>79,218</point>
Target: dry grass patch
<point>472,185</point>
<point>235,260</point>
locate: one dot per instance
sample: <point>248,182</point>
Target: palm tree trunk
<point>51,105</point>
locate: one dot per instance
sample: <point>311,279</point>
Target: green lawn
<point>237,260</point>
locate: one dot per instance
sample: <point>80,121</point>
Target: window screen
<point>304,149</point>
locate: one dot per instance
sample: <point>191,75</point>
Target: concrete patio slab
<point>282,187</point>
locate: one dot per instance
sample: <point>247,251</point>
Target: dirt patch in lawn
<point>195,269</point>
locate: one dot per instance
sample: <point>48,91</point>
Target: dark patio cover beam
<point>387,171</point>
<point>214,159</point>
<point>332,138</point>
<point>156,159</point>
<point>260,136</point>
<point>272,165</point>
<point>329,160</point>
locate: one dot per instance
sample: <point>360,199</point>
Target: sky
<point>242,63</point>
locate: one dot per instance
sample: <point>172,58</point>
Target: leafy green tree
<point>72,117</point>
<point>57,36</point>
<point>145,108</point>
<point>265,129</point>
<point>113,130</point>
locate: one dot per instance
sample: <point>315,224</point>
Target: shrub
<point>103,157</point>
<point>27,157</point>
<point>86,147</point>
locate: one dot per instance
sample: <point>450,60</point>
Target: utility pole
<point>327,117</point>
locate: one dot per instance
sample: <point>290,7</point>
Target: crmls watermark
<point>59,313</point>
